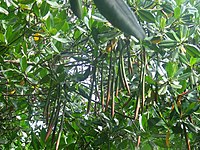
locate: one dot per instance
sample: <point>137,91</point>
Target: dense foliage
<point>79,83</point>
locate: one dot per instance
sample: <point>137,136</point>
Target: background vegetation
<point>70,83</point>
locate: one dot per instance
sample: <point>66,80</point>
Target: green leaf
<point>153,121</point>
<point>36,9</point>
<point>53,4</point>
<point>84,76</point>
<point>174,35</point>
<point>179,2</point>
<point>193,61</point>
<point>183,59</point>
<point>192,50</point>
<point>58,23</point>
<point>9,34</point>
<point>184,76</point>
<point>183,32</point>
<point>163,22</point>
<point>44,9</point>
<point>160,142</point>
<point>144,122</point>
<point>179,71</point>
<point>167,8</point>
<point>171,69</point>
<point>65,26</point>
<point>57,38</point>
<point>4,11</point>
<point>149,80</point>
<point>183,83</point>
<point>35,142</point>
<point>187,18</point>
<point>176,86</point>
<point>146,146</point>
<point>53,31</point>
<point>191,108</point>
<point>83,93</point>
<point>49,22</point>
<point>123,144</point>
<point>43,72</point>
<point>42,137</point>
<point>2,38</point>
<point>176,108</point>
<point>23,63</point>
<point>177,12</point>
<point>146,15</point>
<point>163,89</point>
<point>33,81</point>
<point>103,138</point>
<point>168,44</point>
<point>26,1</point>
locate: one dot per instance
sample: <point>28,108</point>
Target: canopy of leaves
<point>79,83</point>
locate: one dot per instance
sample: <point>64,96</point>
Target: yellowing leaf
<point>12,92</point>
<point>111,45</point>
<point>179,99</point>
<point>156,40</point>
<point>36,37</point>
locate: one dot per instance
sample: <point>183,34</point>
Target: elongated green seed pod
<point>76,6</point>
<point>119,14</point>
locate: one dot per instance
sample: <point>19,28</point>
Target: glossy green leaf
<point>192,107</point>
<point>193,61</point>
<point>36,9</point>
<point>184,76</point>
<point>144,122</point>
<point>44,8</point>
<point>179,71</point>
<point>192,50</point>
<point>183,59</point>
<point>171,69</point>
<point>163,22</point>
<point>152,122</point>
<point>146,15</point>
<point>26,1</point>
<point>176,86</point>
<point>53,4</point>
<point>184,32</point>
<point>123,144</point>
<point>167,8</point>
<point>57,38</point>
<point>65,27</point>
<point>43,72</point>
<point>9,35</point>
<point>35,142</point>
<point>168,44</point>
<point>149,80</point>
<point>162,90</point>
<point>179,2</point>
<point>23,63</point>
<point>2,38</point>
<point>4,11</point>
<point>187,18</point>
<point>177,12</point>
